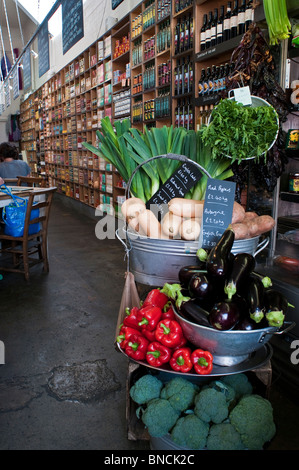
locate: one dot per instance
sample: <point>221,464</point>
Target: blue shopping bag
<point>14,215</point>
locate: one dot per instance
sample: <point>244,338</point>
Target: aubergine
<point>243,265</point>
<point>218,261</point>
<point>192,310</point>
<point>246,324</point>
<point>224,315</point>
<point>255,298</point>
<point>200,286</point>
<point>186,273</point>
<point>276,305</point>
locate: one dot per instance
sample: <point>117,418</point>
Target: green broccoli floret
<point>223,387</point>
<point>145,389</point>
<point>211,405</point>
<point>240,383</point>
<point>223,436</point>
<point>180,393</point>
<point>252,417</point>
<point>159,417</point>
<point>190,432</point>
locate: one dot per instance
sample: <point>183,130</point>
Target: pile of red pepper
<point>151,333</point>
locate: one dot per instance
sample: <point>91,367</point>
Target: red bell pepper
<point>148,317</point>
<point>156,298</point>
<point>202,361</point>
<point>181,360</point>
<point>136,347</point>
<point>168,312</point>
<point>125,333</point>
<point>169,333</point>
<point>157,354</point>
<point>150,335</point>
<point>131,318</point>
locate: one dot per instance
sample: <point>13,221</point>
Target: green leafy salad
<point>240,132</point>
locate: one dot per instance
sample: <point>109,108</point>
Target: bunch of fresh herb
<point>240,132</point>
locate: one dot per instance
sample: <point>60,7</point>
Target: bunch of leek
<point>218,168</point>
<point>277,19</point>
<point>127,147</point>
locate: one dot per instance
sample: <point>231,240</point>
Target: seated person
<point>11,166</point>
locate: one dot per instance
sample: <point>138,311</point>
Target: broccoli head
<point>224,388</point>
<point>159,417</point>
<point>211,405</point>
<point>240,383</point>
<point>190,432</point>
<point>145,389</point>
<point>180,393</point>
<point>252,417</point>
<point>223,436</point>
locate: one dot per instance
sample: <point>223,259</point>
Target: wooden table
<point>20,191</point>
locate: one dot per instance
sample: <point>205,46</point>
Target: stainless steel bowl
<point>228,347</point>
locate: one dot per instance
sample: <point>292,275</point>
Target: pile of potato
<point>184,218</point>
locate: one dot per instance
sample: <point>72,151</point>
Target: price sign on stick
<point>182,180</point>
<point>217,211</point>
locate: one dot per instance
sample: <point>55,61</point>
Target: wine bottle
<point>248,15</point>
<point>203,33</point>
<point>226,22</point>
<point>176,79</point>
<point>241,17</point>
<point>177,114</point>
<point>182,35</point>
<point>220,26</point>
<point>191,75</point>
<point>191,32</point>
<point>214,28</point>
<point>187,34</point>
<point>208,30</point>
<point>180,79</point>
<point>199,118</point>
<point>234,20</point>
<point>207,82</point>
<point>177,38</point>
<point>201,82</point>
<point>211,81</point>
<point>186,76</point>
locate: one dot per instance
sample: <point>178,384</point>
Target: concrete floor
<point>63,385</point>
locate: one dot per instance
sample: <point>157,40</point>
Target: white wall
<point>96,13</point>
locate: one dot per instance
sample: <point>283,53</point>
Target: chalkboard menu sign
<point>15,83</point>
<point>115,3</point>
<point>72,23</point>
<point>181,181</point>
<point>27,69</point>
<point>217,211</point>
<point>43,50</point>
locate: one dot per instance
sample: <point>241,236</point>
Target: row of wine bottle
<point>219,28</point>
<point>213,79</point>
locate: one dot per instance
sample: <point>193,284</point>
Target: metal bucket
<point>155,261</point>
<point>228,347</point>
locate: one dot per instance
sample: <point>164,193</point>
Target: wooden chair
<point>31,181</point>
<point>21,249</point>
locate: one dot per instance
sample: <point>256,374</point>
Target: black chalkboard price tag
<point>43,50</point>
<point>27,69</point>
<point>72,23</point>
<point>217,211</point>
<point>178,185</point>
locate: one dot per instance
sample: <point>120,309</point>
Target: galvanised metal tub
<point>156,261</point>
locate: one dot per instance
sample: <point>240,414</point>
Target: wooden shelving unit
<point>130,72</point>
